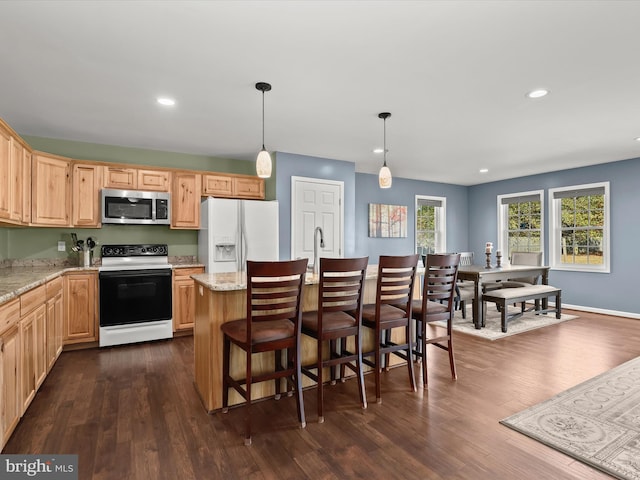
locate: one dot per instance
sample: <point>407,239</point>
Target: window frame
<point>440,220</point>
<point>503,220</point>
<point>555,225</point>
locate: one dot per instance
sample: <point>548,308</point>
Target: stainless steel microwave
<point>133,207</point>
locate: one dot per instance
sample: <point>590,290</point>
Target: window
<point>520,223</point>
<point>580,227</point>
<point>430,225</point>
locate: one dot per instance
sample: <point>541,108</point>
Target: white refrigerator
<point>234,231</point>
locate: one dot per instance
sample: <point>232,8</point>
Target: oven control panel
<point>159,250</point>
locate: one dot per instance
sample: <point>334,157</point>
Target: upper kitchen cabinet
<point>136,179</point>
<point>248,187</point>
<point>155,180</point>
<point>15,178</point>
<point>86,184</point>
<point>185,200</point>
<point>51,190</point>
<point>5,175</point>
<point>121,178</point>
<point>232,186</point>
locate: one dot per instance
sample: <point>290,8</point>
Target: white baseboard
<point>602,311</point>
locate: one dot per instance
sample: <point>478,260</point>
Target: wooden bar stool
<point>340,290</point>
<point>437,304</point>
<point>272,323</point>
<point>392,309</point>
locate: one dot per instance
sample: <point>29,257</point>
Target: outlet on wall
<point>62,246</point>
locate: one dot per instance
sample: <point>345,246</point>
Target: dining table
<point>481,274</point>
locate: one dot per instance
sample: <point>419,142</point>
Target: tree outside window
<point>582,229</point>
<point>430,225</point>
<point>520,222</point>
<point>580,223</point>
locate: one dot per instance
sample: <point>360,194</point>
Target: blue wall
<point>291,165</point>
<point>615,291</point>
<point>403,192</point>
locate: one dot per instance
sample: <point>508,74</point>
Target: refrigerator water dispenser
<point>225,252</point>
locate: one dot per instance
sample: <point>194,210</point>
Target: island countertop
<point>221,282</point>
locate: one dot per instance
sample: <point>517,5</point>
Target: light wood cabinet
<point>217,185</point>
<point>249,187</point>
<point>10,400</point>
<point>26,186</point>
<point>122,178</point>
<point>185,200</point>
<point>233,186</point>
<point>184,297</point>
<point>6,184</point>
<point>15,178</point>
<point>32,343</point>
<point>80,307</point>
<point>155,180</point>
<point>16,155</point>
<point>86,183</point>
<point>136,179</point>
<point>51,190</point>
<point>55,316</point>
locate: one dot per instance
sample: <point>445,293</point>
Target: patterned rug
<point>493,330</point>
<point>596,422</point>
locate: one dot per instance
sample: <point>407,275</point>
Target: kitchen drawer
<point>32,299</point>
<point>9,314</point>
<point>54,287</point>
<point>187,271</point>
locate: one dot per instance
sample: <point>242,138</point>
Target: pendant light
<point>263,162</point>
<point>384,177</point>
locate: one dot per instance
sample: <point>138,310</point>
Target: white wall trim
<point>603,311</point>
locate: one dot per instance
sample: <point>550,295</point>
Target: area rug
<point>596,422</point>
<point>493,329</point>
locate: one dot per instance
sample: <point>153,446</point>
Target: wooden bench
<point>506,296</point>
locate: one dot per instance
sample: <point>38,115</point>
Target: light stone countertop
<point>16,280</point>
<point>221,282</point>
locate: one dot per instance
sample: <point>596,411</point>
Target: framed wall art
<point>387,221</point>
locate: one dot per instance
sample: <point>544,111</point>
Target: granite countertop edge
<point>16,280</point>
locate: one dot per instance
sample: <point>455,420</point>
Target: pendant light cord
<point>384,142</point>
<point>263,120</point>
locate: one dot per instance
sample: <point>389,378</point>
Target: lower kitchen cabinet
<point>184,298</point>
<point>55,318</point>
<point>33,321</point>
<point>10,398</point>
<point>81,307</point>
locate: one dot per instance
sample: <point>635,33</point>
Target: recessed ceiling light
<point>167,102</point>
<point>484,170</point>
<point>637,139</point>
<point>540,92</point>
<point>378,150</point>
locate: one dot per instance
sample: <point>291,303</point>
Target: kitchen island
<point>222,297</point>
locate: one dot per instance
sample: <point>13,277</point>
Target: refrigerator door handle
<point>244,247</point>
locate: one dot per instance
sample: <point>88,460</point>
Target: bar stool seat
<point>272,324</point>
<point>337,317</point>
<point>394,290</point>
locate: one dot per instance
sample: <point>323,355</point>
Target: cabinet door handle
<point>1,345</point>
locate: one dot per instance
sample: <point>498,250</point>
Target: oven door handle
<point>136,273</point>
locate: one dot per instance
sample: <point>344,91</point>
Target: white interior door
<point>316,203</point>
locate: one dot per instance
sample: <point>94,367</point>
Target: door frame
<point>294,185</point>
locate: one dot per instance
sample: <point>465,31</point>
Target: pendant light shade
<point>384,177</point>
<point>263,162</point>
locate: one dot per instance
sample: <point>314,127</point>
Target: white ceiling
<point>453,74</point>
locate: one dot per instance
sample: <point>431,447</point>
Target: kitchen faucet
<point>316,262</point>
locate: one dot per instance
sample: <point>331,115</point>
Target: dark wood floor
<point>132,412</point>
